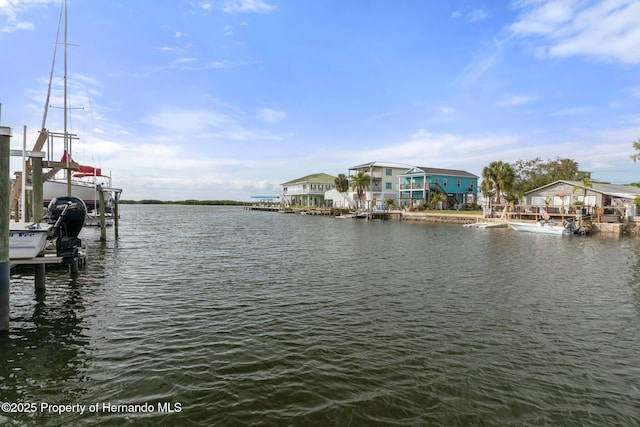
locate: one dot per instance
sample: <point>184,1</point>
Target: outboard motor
<point>571,225</point>
<point>67,213</point>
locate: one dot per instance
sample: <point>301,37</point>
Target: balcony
<point>414,186</point>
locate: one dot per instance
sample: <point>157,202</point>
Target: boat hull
<point>539,229</point>
<point>26,242</point>
<point>83,190</point>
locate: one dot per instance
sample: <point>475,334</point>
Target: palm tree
<point>342,185</point>
<point>636,146</point>
<point>584,184</point>
<point>434,198</point>
<point>499,176</point>
<point>487,190</point>
<point>360,182</point>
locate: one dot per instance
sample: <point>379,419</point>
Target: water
<point>220,316</point>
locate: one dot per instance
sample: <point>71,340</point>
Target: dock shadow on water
<point>221,316</point>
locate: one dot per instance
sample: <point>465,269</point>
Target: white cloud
<point>475,15</point>
<point>571,112</point>
<point>514,100</point>
<point>236,6</point>
<point>605,30</point>
<point>271,116</point>
<point>12,9</point>
<point>195,121</point>
<point>481,64</point>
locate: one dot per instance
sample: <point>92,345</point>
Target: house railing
<point>412,186</point>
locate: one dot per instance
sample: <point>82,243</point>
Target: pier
<point>68,252</point>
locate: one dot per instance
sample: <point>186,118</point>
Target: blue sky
<point>227,99</point>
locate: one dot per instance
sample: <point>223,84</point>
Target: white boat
<point>85,182</point>
<point>485,225</point>
<point>27,240</point>
<point>540,228</point>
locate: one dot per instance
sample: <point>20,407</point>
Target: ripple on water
<point>253,318</point>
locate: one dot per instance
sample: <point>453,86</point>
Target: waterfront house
<point>308,191</point>
<point>383,184</point>
<point>565,196</point>
<point>417,185</point>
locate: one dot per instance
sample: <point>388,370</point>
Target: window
<point>389,172</point>
<point>589,201</point>
<point>538,201</point>
<point>444,182</point>
<point>459,183</point>
<point>389,186</point>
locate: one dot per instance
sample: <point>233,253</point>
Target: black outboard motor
<point>67,214</point>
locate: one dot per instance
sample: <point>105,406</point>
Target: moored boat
<point>485,225</point>
<point>86,183</point>
<point>540,228</point>
<point>27,240</point>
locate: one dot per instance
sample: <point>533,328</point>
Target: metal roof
<point>381,165</point>
<point>316,178</point>
<point>452,172</point>
<point>616,190</point>
<point>427,170</point>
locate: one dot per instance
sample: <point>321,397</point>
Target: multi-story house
<point>418,184</point>
<point>383,183</point>
<point>307,191</point>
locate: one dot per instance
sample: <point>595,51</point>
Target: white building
<point>383,183</point>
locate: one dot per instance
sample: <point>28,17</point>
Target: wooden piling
<point>40,280</point>
<point>103,222</point>
<point>116,213</point>
<point>37,193</point>
<point>5,190</point>
<point>73,267</point>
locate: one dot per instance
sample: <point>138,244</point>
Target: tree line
<point>513,180</point>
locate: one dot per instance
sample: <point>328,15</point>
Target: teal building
<point>418,185</point>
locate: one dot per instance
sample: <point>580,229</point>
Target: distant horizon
<point>226,99</point>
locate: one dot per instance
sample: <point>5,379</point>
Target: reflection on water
<point>260,318</point>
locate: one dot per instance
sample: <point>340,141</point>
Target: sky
<point>228,99</point>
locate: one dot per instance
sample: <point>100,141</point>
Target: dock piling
<point>5,190</point>
<point>103,223</point>
<point>39,274</point>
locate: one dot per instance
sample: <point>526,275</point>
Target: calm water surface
<point>233,317</point>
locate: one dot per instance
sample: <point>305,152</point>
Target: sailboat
<point>86,182</point>
<point>66,176</point>
<point>67,197</point>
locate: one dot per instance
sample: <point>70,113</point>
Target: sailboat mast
<point>67,140</point>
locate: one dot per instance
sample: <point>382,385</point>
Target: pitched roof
<point>432,171</point>
<point>451,172</point>
<point>381,165</point>
<point>616,190</point>
<point>316,178</point>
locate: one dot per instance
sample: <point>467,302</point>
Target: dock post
<point>73,267</point>
<point>5,190</point>
<point>103,223</point>
<point>116,214</point>
<point>40,277</point>
<point>37,192</point>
